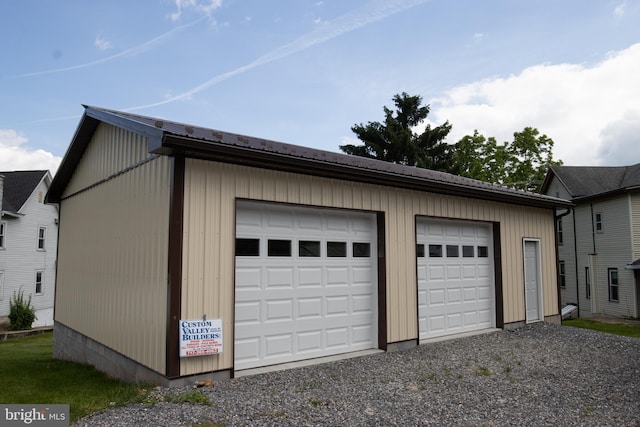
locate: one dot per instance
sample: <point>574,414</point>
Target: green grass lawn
<point>29,374</point>
<point>612,328</point>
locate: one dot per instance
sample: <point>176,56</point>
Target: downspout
<point>557,218</point>
<point>575,259</point>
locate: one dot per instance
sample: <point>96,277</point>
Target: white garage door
<point>306,283</point>
<point>455,277</point>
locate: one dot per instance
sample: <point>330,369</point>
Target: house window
<point>560,236</point>
<point>613,284</point>
<point>39,275</point>
<point>587,282</point>
<point>563,277</point>
<point>420,250</point>
<point>3,233</point>
<point>1,285</point>
<point>42,231</point>
<point>599,228</point>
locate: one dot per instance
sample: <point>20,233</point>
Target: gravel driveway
<point>539,375</point>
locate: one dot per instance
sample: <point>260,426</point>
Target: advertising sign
<point>200,337</point>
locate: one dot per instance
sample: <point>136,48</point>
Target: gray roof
<point>172,138</point>
<point>17,188</point>
<point>594,181</point>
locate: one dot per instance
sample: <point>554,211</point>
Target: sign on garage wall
<point>200,337</point>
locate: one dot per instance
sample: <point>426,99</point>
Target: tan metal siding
<point>111,150</point>
<point>208,274</point>
<point>112,264</point>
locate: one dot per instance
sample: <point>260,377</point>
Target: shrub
<point>21,312</point>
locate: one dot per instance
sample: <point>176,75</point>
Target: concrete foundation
<point>69,344</point>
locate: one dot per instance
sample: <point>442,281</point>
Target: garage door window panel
<point>452,251</point>
<point>247,247</point>
<point>361,250</point>
<point>309,248</point>
<point>435,251</point>
<point>279,248</point>
<point>336,249</point>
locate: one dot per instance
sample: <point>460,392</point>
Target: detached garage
<point>270,253</point>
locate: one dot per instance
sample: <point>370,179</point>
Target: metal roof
<point>172,138</point>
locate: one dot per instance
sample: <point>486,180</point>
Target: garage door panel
<point>247,349</point>
<point>309,308</point>
<point>279,277</point>
<point>337,305</point>
<point>249,278</point>
<point>248,311</point>
<point>278,310</point>
<point>278,345</point>
<point>454,295</point>
<point>309,276</point>
<point>309,341</point>
<point>457,293</point>
<point>309,303</point>
<point>436,272</point>
<point>436,297</point>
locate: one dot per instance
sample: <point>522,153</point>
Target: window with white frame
<point>1,285</point>
<point>563,276</point>
<point>613,284</point>
<point>560,236</point>
<point>587,282</point>
<point>39,282</point>
<point>599,226</point>
<point>3,234</point>
<point>42,233</point>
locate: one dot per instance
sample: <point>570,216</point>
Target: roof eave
<point>222,152</point>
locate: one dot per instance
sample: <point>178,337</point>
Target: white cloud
<point>580,107</point>
<point>102,43</point>
<point>14,156</point>
<point>618,12</point>
<point>203,7</point>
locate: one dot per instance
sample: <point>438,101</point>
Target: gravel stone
<point>539,375</point>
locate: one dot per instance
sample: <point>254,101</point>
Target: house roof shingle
<point>591,181</point>
<point>169,138</point>
<point>17,188</point>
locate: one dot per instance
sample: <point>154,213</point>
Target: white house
<point>28,243</point>
<point>599,239</point>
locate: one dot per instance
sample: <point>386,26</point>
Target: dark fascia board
<point>225,153</point>
<point>84,132</point>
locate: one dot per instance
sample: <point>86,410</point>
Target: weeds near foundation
<point>482,371</point>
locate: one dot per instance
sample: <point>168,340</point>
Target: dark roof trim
<point>171,138</point>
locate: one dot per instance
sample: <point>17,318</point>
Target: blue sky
<point>305,71</point>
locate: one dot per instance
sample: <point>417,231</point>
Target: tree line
<point>521,163</point>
